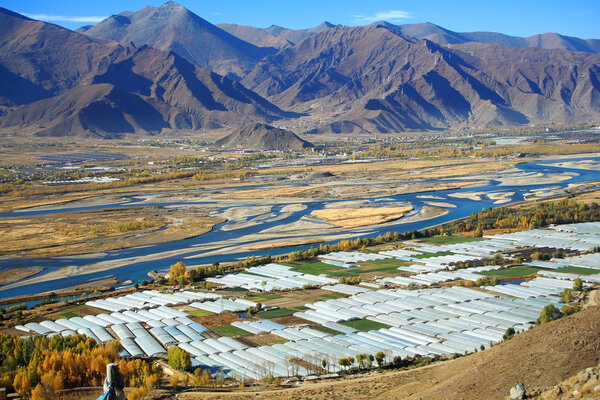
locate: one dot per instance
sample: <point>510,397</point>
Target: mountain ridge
<point>375,79</point>
<point>172,27</point>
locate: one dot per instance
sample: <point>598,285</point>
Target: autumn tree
<point>178,358</point>
<point>174,381</point>
<point>138,393</point>
<point>177,272</point>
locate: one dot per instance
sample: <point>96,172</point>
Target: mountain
<point>263,137</point>
<point>63,83</point>
<point>172,27</point>
<point>550,40</point>
<point>100,110</point>
<point>273,36</point>
<point>375,79</point>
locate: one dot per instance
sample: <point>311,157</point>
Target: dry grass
<point>355,217</point>
<point>283,244</point>
<point>69,233</point>
<point>12,275</point>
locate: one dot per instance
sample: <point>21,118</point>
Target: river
<point>140,260</point>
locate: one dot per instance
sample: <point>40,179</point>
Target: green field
<point>513,272</point>
<point>449,239</point>
<point>578,270</point>
<point>365,325</point>
<point>389,265</point>
<point>264,297</point>
<point>331,296</point>
<point>280,312</point>
<point>200,313</point>
<point>426,254</point>
<point>316,268</point>
<point>231,331</point>
<point>74,311</point>
<point>325,330</point>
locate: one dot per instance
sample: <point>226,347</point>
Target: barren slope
<point>375,79</point>
<point>172,27</point>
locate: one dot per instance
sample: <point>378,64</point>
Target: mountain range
<point>64,83</point>
<point>279,37</point>
<point>165,68</point>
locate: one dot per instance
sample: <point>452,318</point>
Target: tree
<point>567,295</point>
<point>549,313</point>
<point>478,232</point>
<point>185,380</point>
<point>577,285</point>
<point>138,393</point>
<point>201,377</point>
<point>346,362</point>
<point>178,358</point>
<point>498,260</point>
<point>360,358</point>
<point>174,381</point>
<point>379,358</point>
<point>324,364</point>
<point>509,334</point>
<point>177,271</point>
<point>39,393</point>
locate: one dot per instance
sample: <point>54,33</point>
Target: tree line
<point>39,367</point>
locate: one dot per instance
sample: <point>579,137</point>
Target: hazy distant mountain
<point>70,84</point>
<point>273,36</point>
<point>263,137</point>
<point>375,79</point>
<point>175,28</point>
<point>444,36</point>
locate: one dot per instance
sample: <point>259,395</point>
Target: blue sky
<point>514,17</point>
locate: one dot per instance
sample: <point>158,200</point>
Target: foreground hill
<point>53,75</point>
<point>172,27</point>
<point>376,79</point>
<point>539,358</point>
<point>263,137</point>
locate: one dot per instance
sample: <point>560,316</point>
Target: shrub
<point>549,313</point>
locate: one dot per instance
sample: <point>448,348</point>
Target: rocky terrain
<point>584,385</point>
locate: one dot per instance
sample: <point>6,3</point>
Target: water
<point>138,262</point>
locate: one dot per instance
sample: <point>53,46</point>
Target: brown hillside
<point>538,358</point>
<point>263,137</point>
<point>172,27</point>
<point>375,79</point>
<point>59,79</point>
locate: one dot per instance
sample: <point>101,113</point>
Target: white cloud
<point>65,18</point>
<point>390,16</point>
